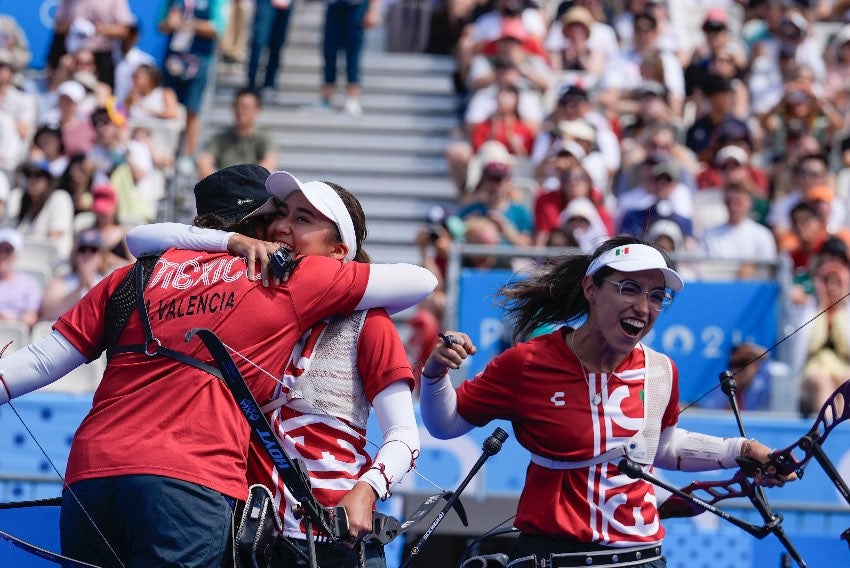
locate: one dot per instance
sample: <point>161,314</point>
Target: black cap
<point>732,130</point>
<point>572,90</point>
<point>234,193</point>
<point>713,84</point>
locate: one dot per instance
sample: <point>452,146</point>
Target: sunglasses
<point>87,249</point>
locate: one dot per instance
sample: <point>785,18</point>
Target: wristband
<point>434,380</point>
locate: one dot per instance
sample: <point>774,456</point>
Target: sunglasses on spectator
<point>86,249</point>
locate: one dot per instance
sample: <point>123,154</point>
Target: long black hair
<point>554,295</point>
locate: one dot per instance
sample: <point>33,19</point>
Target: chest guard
<point>331,383</point>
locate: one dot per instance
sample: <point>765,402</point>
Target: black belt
<point>599,559</point>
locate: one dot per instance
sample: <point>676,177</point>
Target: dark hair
<point>55,130</point>
<point>554,295</point>
<point>152,71</point>
<point>251,227</point>
<point>98,114</point>
<point>248,91</point>
<point>358,219</point>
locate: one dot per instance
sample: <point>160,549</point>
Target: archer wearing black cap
<point>189,440</point>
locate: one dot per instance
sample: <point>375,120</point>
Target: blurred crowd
<point>717,129</point>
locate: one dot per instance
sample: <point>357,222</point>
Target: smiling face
<point>300,226</point>
<point>620,323</point>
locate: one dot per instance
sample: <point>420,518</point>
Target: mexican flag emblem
<point>622,251</point>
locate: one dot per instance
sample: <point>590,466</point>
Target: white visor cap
<point>634,258</point>
<point>321,196</point>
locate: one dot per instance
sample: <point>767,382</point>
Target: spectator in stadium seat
<point>241,143</point>
<point>86,270</point>
<point>20,293</point>
<point>148,99</point>
<point>664,198</point>
<point>95,25</point>
<point>824,348</point>
<point>753,376</point>
<point>549,206</point>
<point>493,200</point>
<point>739,237</point>
<point>718,92</point>
<point>41,211</point>
<point>47,145</point>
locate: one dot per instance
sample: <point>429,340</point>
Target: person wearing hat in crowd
<point>574,105</point>
<point>308,217</point>
<point>560,390</point>
<point>87,268</point>
<point>663,197</point>
<point>20,293</point>
<point>580,220</point>
<point>78,134</point>
<point>104,207</point>
<point>101,24</point>
<point>576,58</point>
<point>184,474</point>
<point>494,198</point>
<point>838,70</point>
<point>39,210</point>
<point>732,162</point>
<point>650,108</point>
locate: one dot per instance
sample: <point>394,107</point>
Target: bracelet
<point>433,380</point>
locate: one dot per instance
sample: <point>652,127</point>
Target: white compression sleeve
<point>397,286</point>
<point>394,409</point>
<point>438,406</point>
<point>691,451</point>
<point>160,236</point>
<point>392,286</point>
<point>38,364</point>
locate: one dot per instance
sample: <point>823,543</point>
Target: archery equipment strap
<point>642,446</point>
<point>129,295</point>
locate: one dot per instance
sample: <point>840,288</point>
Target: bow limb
<point>46,554</point>
<point>833,412</point>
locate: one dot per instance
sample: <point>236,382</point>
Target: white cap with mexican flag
<point>636,257</point>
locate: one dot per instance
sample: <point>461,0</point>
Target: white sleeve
<point>396,286</point>
<point>438,405</point>
<point>38,364</point>
<point>160,236</point>
<point>394,409</point>
<point>691,451</point>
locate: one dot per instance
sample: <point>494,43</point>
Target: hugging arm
<point>38,364</point>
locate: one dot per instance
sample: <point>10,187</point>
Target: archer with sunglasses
<point>580,398</point>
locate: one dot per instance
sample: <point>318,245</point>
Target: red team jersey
<point>154,415</point>
<point>540,388</point>
<point>333,450</point>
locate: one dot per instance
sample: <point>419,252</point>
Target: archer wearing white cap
<point>340,369</point>
<point>579,399</point>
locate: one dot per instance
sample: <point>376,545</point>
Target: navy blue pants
<point>146,521</point>
<point>268,33</point>
<point>343,31</point>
